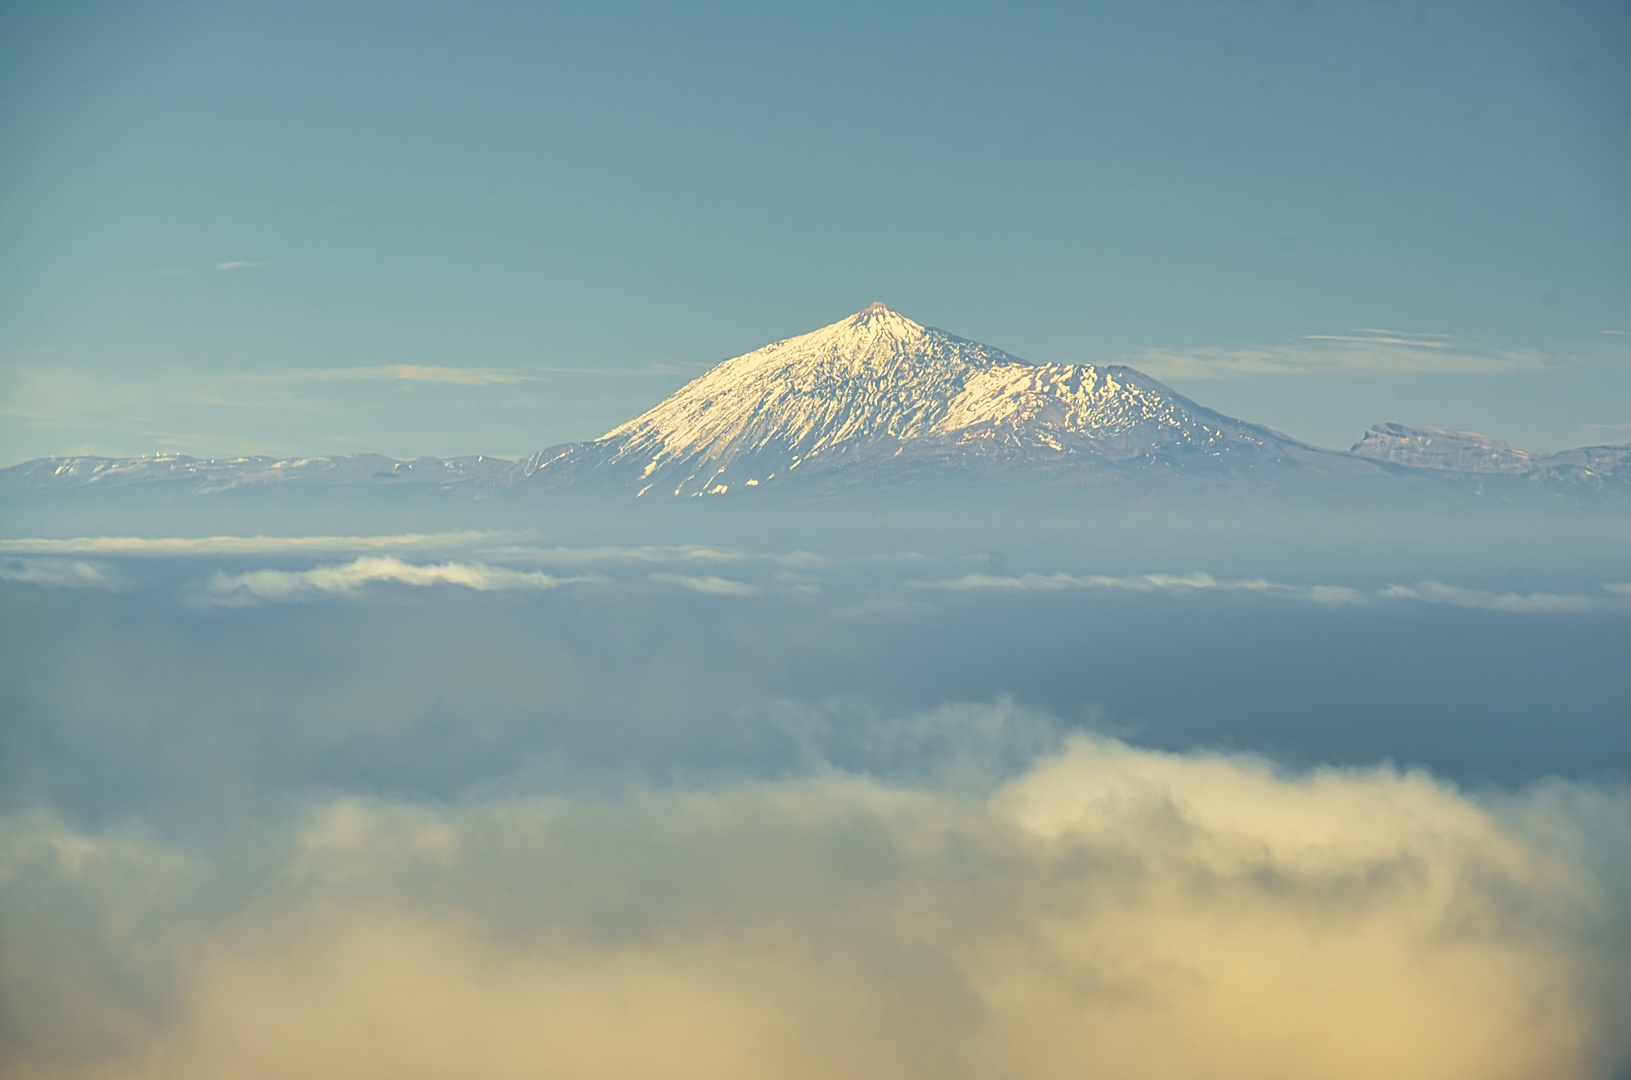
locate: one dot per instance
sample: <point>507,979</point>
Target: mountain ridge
<point>877,397</point>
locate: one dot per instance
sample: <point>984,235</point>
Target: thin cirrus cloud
<point>238,264</point>
<point>1108,911</point>
<point>1361,352</point>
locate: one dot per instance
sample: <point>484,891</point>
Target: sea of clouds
<point>1108,910</point>
<point>471,806</point>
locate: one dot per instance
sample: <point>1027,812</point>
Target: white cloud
<point>1361,352</point>
<point>1110,912</point>
<point>713,586</point>
<point>1436,592</point>
<point>1199,581</point>
<point>411,373</point>
<point>238,265</point>
<point>350,577</point>
<point>64,573</point>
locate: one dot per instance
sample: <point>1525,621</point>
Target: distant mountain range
<point>873,398</point>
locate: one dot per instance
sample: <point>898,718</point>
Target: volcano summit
<point>877,393</point>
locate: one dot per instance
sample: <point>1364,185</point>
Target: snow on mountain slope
<point>1470,452</point>
<point>205,475</point>
<point>876,375</point>
<point>878,389</point>
<point>1436,448</point>
<point>1113,411</point>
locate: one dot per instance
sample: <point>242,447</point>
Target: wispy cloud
<point>1145,583</point>
<point>655,368</point>
<point>1436,592</point>
<point>238,265</point>
<point>58,573</point>
<point>1359,352</point>
<point>428,373</point>
<point>351,577</point>
<point>713,586</point>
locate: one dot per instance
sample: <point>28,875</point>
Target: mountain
<point>1469,452</point>
<point>879,399</point>
<point>208,475</point>
<point>1435,448</point>
<point>878,395</point>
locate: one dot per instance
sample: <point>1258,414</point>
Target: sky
<point>419,228</point>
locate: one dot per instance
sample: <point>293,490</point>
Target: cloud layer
<point>1111,911</point>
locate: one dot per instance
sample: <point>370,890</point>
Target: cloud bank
<point>1110,911</point>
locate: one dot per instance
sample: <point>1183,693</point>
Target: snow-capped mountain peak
<point>878,386</point>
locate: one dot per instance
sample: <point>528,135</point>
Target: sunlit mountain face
<point>877,393</point>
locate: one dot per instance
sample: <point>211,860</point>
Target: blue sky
<point>484,227</point>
